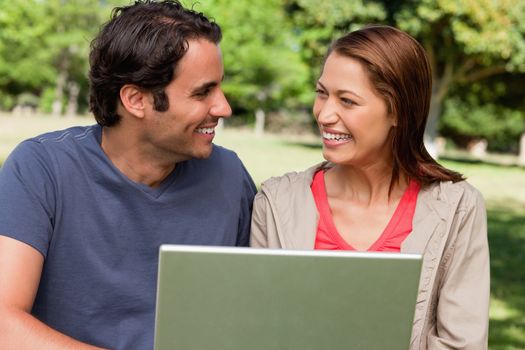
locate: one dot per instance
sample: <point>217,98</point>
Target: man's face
<point>196,102</point>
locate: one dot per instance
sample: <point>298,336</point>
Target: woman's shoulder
<point>448,190</point>
<point>464,185</point>
<point>291,180</point>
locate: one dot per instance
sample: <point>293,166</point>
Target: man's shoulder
<point>223,153</point>
<point>222,163</point>
<point>47,149</point>
<point>60,136</point>
<point>56,139</point>
<point>221,159</point>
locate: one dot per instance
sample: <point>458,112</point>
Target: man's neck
<point>127,154</point>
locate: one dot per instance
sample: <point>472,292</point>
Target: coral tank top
<point>398,228</point>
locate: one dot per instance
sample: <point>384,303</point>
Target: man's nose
<point>221,107</point>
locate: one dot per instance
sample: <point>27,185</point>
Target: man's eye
<point>203,93</point>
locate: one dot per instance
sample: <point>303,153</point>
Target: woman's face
<point>353,119</point>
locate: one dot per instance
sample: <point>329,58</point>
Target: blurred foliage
<point>46,100</point>
<point>273,51</point>
<point>27,99</point>
<point>25,63</point>
<point>483,32</point>
<point>44,42</point>
<point>317,23</point>
<point>7,101</point>
<point>263,66</point>
<point>492,110</point>
<point>465,120</point>
<point>467,42</point>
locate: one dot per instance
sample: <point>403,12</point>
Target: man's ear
<point>134,100</point>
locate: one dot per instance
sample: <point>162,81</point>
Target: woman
<point>381,191</point>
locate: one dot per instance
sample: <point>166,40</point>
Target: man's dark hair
<point>141,45</point>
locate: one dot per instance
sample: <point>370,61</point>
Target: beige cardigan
<point>449,230</point>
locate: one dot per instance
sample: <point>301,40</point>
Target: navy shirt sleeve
<point>248,193</point>
<point>27,195</point>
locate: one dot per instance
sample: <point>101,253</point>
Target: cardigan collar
<point>293,200</point>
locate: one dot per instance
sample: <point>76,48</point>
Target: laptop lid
<point>244,298</point>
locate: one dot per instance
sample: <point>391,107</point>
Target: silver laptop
<point>222,298</point>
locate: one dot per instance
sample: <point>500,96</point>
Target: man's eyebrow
<point>204,87</point>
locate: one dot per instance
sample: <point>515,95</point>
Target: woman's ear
<point>393,117</point>
<point>133,99</point>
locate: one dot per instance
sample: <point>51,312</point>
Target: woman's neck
<point>366,185</point>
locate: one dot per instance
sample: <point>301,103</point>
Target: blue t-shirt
<point>100,232</point>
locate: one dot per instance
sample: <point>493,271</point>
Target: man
<point>83,211</point>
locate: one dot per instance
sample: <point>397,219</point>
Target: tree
<point>73,25</point>
<point>491,109</point>
<point>24,61</point>
<point>263,68</point>
<point>467,120</point>
<point>44,44</point>
<point>467,42</point>
<point>317,23</point>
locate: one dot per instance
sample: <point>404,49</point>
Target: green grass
<point>507,245</point>
<point>502,186</point>
<point>270,155</point>
<point>504,190</point>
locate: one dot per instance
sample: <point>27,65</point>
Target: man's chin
<point>203,153</point>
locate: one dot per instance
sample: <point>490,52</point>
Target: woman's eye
<point>320,92</point>
<point>347,101</point>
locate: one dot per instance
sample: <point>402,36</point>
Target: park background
<point>272,52</point>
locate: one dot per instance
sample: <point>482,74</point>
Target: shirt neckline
<point>393,222</point>
<point>154,192</point>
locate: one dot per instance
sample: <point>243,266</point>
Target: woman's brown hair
<point>398,68</point>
